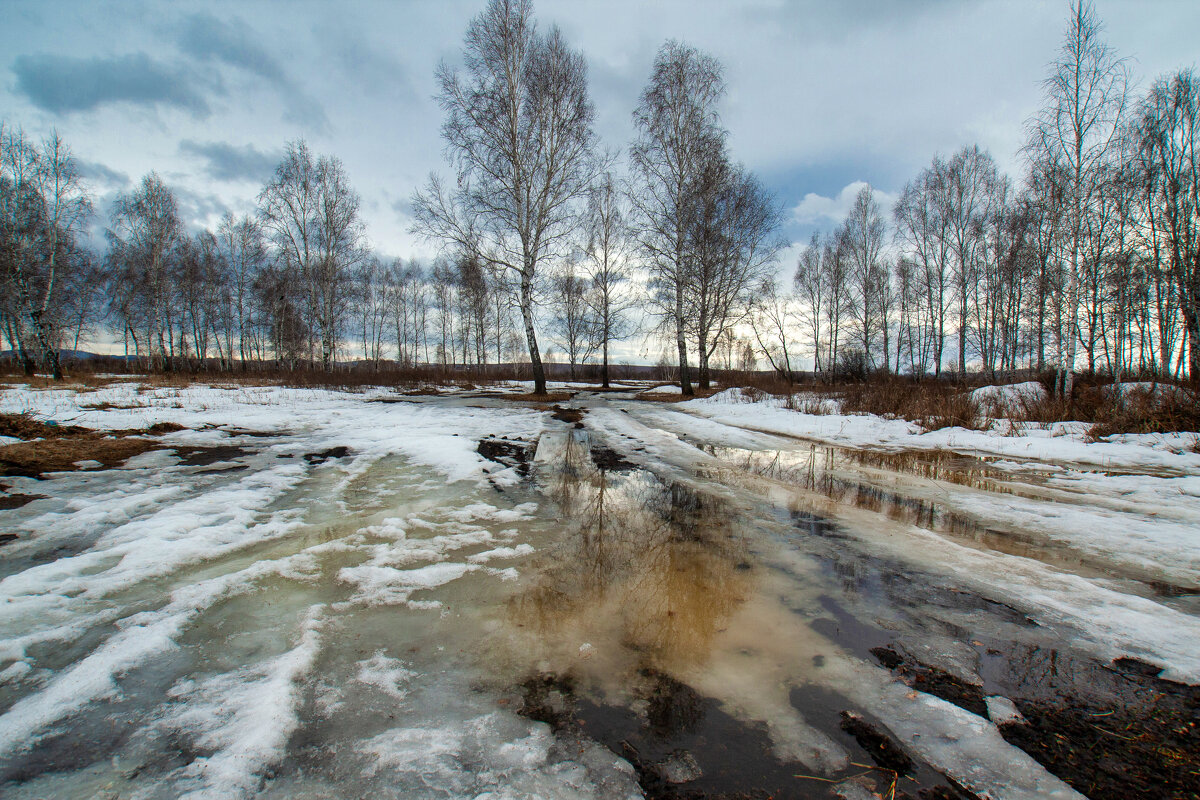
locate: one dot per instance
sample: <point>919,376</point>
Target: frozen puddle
<point>338,598</point>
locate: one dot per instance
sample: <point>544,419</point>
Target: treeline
<point>1092,260</point>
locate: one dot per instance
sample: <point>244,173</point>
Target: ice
<point>955,741</point>
<point>391,586</point>
<point>246,717</point>
<point>260,626</point>
<point>386,674</point>
<point>1001,710</point>
<point>520,550</point>
<point>140,637</point>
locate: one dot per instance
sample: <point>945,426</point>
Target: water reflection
<point>644,577</point>
<point>903,487</point>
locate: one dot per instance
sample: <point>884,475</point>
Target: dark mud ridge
<point>515,453</point>
<point>1111,732</point>
<point>683,746</point>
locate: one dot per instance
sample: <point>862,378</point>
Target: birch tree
<point>519,135</point>
<point>1079,128</point>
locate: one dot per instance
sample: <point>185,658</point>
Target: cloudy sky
<point>822,95</point>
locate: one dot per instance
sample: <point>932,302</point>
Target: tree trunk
<point>535,358</point>
<point>685,380</point>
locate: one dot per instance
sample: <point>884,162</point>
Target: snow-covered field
<point>253,610</point>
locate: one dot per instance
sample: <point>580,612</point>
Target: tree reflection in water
<point>644,577</point>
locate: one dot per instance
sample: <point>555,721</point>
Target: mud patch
<point>206,456</point>
<point>933,680</point>
<point>33,459</point>
<point>321,456</point>
<point>882,748</point>
<point>515,453</point>
<point>564,414</point>
<point>11,501</point>
<point>1141,743</point>
<point>607,458</point>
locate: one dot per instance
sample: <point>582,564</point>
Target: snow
<point>245,717</point>
<point>1008,398</point>
<point>267,625</point>
<point>390,586</point>
<point>386,674</point>
<point>1063,443</point>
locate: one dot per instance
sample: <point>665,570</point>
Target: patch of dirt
<point>508,452</point>
<point>11,501</point>
<point>159,428</point>
<point>607,458</point>
<point>32,459</point>
<point>251,433</point>
<point>549,397</point>
<point>934,681</point>
<point>320,457</point>
<point>1140,745</point>
<point>204,456</point>
<point>107,406</point>
<point>24,426</point>
<point>564,414</point>
<point>882,749</point>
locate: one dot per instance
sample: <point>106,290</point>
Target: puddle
<point>883,488</point>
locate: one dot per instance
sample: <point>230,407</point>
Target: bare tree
<point>311,214</point>
<point>143,246</point>
<point>1169,119</point>
<point>519,133</point>
<point>241,242</point>
<point>809,287</point>
<point>732,238</point>
<point>573,318</point>
<point>607,265</point>
<point>679,134</point>
<point>43,206</point>
<point>1079,129</point>
<point>922,230</point>
<point>861,239</point>
<point>773,320</point>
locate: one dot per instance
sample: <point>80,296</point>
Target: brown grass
<point>931,404</point>
<point>1171,409</point>
<point>32,459</point>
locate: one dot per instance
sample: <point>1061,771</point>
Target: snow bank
<point>1008,399</point>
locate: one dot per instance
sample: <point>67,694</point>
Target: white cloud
<point>817,210</point>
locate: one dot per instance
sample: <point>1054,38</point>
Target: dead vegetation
<point>59,448</point>
<point>1108,408</point>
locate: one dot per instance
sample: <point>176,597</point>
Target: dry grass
<point>32,459</point>
<point>1170,409</point>
<point>57,448</point>
<point>931,404</point>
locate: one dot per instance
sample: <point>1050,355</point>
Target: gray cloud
<point>208,39</point>
<point>228,162</point>
<point>100,175</point>
<point>62,84</point>
<point>199,209</point>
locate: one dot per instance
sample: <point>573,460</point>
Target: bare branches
<point>518,133</point>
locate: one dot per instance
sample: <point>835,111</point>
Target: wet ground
<point>629,604</point>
